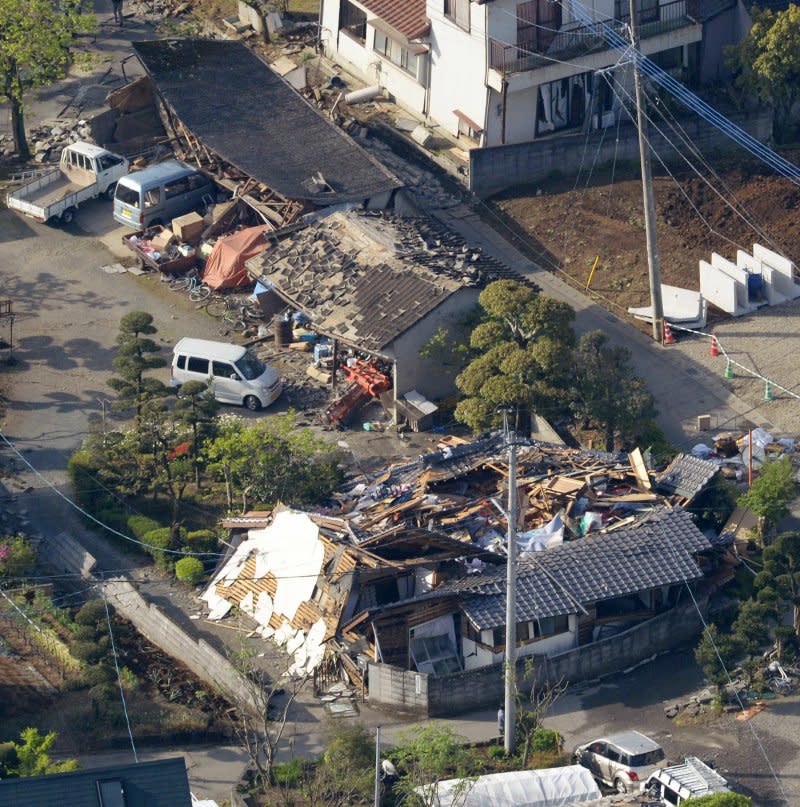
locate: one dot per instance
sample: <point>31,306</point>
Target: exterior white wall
<point>373,68</point>
<point>476,655</point>
<point>424,375</point>
<point>457,67</point>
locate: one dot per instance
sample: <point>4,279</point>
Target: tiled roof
<point>658,552</point>
<point>243,111</point>
<point>686,476</point>
<point>366,279</point>
<point>407,17</point>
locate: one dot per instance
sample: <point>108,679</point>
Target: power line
<point>119,678</point>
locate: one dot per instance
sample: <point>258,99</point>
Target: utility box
<point>189,228</point>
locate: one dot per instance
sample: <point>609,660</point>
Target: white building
<point>501,71</point>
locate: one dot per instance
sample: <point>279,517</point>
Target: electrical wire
<point>119,677</point>
<point>97,521</point>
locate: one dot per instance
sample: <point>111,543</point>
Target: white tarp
<point>551,787</point>
<point>550,535</point>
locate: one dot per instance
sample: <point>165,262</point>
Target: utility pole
<point>653,264</point>
<point>377,802</point>
<point>509,706</point>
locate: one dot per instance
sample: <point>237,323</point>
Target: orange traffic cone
<point>714,345</point>
<point>669,339</point>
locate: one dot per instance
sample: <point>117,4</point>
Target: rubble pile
<point>564,494</point>
<point>47,141</point>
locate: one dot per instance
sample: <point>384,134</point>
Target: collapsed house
<point>280,155</point>
<point>407,573</point>
<point>380,285</point>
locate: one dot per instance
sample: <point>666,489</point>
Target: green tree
<point>197,408</point>
<point>778,583</point>
<point>137,354</point>
<point>768,63</point>
<point>608,393</point>
<point>189,570</point>
<point>751,626</point>
<point>17,556</point>
<point>345,774</point>
<point>272,460</point>
<point>721,800</point>
<point>428,754</point>
<point>37,36</point>
<point>33,755</point>
<point>523,358</point>
<point>770,494</point>
<point>716,653</point>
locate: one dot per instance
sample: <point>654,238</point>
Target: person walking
<point>118,16</point>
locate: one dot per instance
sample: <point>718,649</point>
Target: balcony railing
<point>577,41</point>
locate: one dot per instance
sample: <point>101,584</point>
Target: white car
<point>623,760</point>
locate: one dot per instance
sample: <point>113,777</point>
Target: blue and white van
<point>160,193</point>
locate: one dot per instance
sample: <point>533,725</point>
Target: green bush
<point>496,752</point>
<point>84,633</point>
<point>102,693</point>
<point>113,517</point>
<point>189,570</point>
<point>290,774</point>
<point>98,674</point>
<point>88,652</point>
<point>139,526</point>
<point>721,800</point>
<point>546,740</point>
<point>82,471</point>
<point>91,613</point>
<point>202,541</point>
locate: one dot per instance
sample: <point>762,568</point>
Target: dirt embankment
<point>572,226</point>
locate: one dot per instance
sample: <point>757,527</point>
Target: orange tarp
<point>225,265</point>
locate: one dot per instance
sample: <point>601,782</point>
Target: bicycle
<point>219,305</point>
<point>191,283</point>
<point>233,320</point>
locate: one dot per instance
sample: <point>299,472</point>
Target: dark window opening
<point>458,12</point>
<point>353,21</point>
<point>386,591</point>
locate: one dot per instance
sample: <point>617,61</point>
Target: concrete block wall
<point>494,169</point>
<point>64,553</point>
<point>405,690</point>
<point>482,688</point>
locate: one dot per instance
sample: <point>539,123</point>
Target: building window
<point>353,21</point>
<point>523,631</point>
<point>473,634</point>
<point>383,44</point>
<point>646,10</point>
<point>458,12</point>
<point>499,636</point>
<point>550,626</point>
<point>538,22</point>
<point>409,61</point>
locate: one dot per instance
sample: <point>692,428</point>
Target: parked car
<point>689,780</point>
<point>161,192</point>
<point>235,375</point>
<point>85,171</point>
<point>622,761</point>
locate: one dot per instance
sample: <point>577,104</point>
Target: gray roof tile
<point>686,476</point>
<point>657,552</point>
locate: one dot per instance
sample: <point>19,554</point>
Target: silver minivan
<point>235,375</point>
<point>623,760</point>
<point>160,193</point>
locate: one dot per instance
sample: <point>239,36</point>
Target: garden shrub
<point>289,774</point>
<point>201,541</point>
<point>90,652</point>
<point>546,740</point>
<point>139,525</point>
<point>82,471</point>
<point>102,693</point>
<point>91,613</point>
<point>85,633</point>
<point>98,674</point>
<point>113,517</point>
<point>157,541</point>
<point>189,570</point>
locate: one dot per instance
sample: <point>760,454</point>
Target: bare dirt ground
<point>570,223</point>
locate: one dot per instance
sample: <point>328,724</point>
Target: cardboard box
<point>189,228</point>
<point>161,241</point>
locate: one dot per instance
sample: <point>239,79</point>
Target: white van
<point>236,376</point>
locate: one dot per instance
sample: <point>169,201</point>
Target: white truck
<point>85,172</point>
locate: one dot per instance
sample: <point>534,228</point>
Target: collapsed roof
<point>425,536</point>
<point>237,106</point>
<point>366,278</point>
